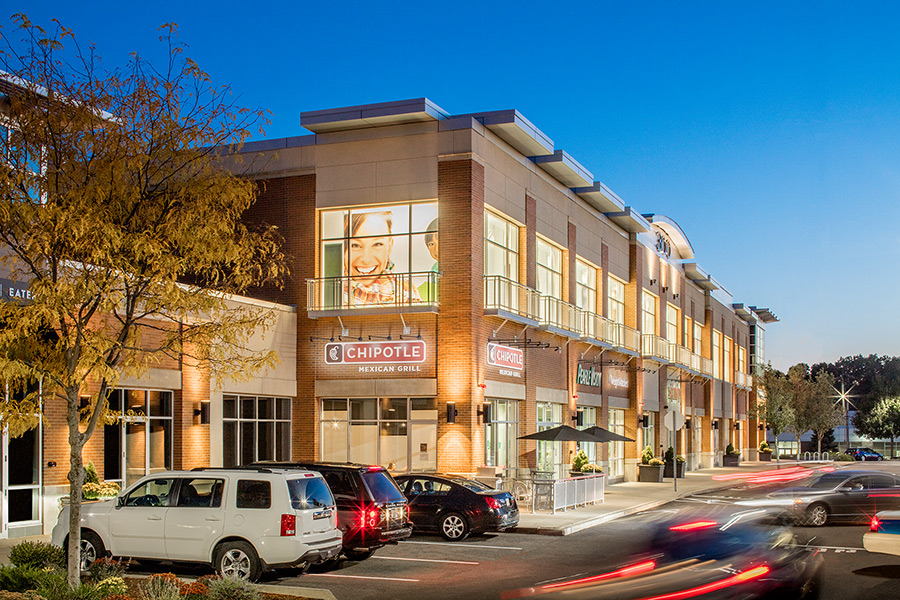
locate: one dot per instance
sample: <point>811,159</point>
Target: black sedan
<point>456,506</point>
<point>701,554</point>
<point>837,495</point>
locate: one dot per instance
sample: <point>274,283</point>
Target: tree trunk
<point>819,443</point>
<point>76,479</point>
<point>777,454</point>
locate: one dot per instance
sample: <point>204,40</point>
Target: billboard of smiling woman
<point>380,255</point>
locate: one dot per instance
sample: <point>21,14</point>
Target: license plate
<point>322,514</point>
<point>394,513</point>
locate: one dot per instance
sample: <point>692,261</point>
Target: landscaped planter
<point>731,460</point>
<point>765,456</point>
<point>678,468</point>
<point>650,473</point>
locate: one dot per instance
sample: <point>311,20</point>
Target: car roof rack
<point>241,468</point>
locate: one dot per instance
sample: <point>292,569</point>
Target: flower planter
<point>650,473</point>
<point>674,467</point>
<point>731,460</point>
<point>576,474</point>
<point>765,456</point>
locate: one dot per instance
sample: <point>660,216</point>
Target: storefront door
<point>20,484</point>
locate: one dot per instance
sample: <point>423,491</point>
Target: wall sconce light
<point>715,424</point>
<point>578,418</point>
<point>485,413</point>
<point>761,426</point>
<point>201,415</point>
<point>51,464</point>
<point>652,282</point>
<point>665,289</point>
<point>451,412</point>
<point>687,423</point>
<point>642,421</point>
<point>737,426</point>
<point>675,296</point>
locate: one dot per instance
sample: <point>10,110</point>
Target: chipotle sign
<point>403,351</point>
<point>504,356</point>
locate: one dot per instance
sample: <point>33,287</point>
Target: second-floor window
<point>726,362</point>
<point>549,269</point>
<point>585,286</point>
<point>698,339</point>
<point>501,247</point>
<point>616,301</point>
<point>717,354</point>
<point>671,323</point>
<point>648,304</point>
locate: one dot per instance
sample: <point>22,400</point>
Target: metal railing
<point>706,366</point>
<point>573,492</point>
<point>625,337</point>
<point>396,290</point>
<point>562,315</point>
<point>696,362</point>
<point>597,327</point>
<point>679,355</point>
<point>653,346</point>
<point>510,296</point>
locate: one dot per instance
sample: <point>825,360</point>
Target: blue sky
<point>770,131</point>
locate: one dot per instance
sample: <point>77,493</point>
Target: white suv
<point>242,521</point>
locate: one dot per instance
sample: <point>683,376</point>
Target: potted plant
<point>578,464</point>
<point>591,469</point>
<point>674,465</point>
<point>732,457</point>
<point>651,469</point>
<point>765,453</point>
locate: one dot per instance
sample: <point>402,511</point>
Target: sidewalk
<point>621,499</point>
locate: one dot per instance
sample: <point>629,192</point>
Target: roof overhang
<point>744,312</point>
<point>517,131</point>
<point>372,115</point>
<point>699,277</point>
<point>675,233</point>
<point>630,220</point>
<point>601,197</point>
<point>564,169</point>
<point>765,315</point>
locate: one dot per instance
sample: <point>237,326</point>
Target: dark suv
<point>372,511</point>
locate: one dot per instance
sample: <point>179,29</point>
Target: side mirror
<point>120,501</point>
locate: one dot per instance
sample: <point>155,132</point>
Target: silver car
<point>838,495</point>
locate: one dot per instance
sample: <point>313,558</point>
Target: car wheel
<point>92,548</point>
<point>359,555</point>
<point>816,515</point>
<point>454,527</point>
<point>237,560</point>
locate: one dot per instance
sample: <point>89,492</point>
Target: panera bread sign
<point>403,356</point>
<point>510,360</point>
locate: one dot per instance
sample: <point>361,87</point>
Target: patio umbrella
<point>604,435</point>
<point>563,433</point>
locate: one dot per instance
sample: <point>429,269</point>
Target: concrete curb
<point>290,590</point>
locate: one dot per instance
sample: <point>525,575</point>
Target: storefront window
<point>589,419</point>
<point>22,477</point>
<point>500,445</point>
<point>141,442</point>
<point>549,454</point>
<point>398,433</point>
<point>255,428</point>
<point>649,432</point>
<point>616,449</point>
<point>384,255</point>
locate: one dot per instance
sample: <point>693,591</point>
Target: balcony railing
<point>560,315</point>
<point>502,294</point>
<point>625,337</point>
<point>653,346</point>
<point>696,362</point>
<point>743,380</point>
<point>679,355</point>
<point>413,292</point>
<point>706,366</point>
<point>597,327</point>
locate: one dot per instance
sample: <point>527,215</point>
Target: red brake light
<point>694,525</point>
<point>492,502</point>
<point>375,468</point>
<point>288,525</point>
<point>874,524</point>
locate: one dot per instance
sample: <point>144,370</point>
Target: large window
<point>698,339</point>
<point>255,428</point>
<point>717,354</point>
<point>398,433</point>
<point>585,286</point>
<point>671,323</point>
<point>549,269</point>
<point>589,419</point>
<point>616,449</point>
<point>549,456</point>
<point>726,360</point>
<point>140,443</point>
<point>380,255</point>
<point>616,300</point>
<point>501,247</point>
<point>649,323</point>
<point>500,446</point>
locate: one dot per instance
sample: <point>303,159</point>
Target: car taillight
<point>369,517</point>
<point>288,525</point>
<point>492,502</point>
<point>874,524</point>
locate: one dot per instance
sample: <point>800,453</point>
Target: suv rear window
<point>382,487</point>
<point>253,494</point>
<point>309,493</point>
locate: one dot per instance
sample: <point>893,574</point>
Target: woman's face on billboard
<point>370,247</point>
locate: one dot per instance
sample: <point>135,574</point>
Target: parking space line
<point>433,560</point>
<point>836,548</point>
<point>456,545</point>
<point>359,577</point>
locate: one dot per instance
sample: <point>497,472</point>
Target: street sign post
<point>674,421</point>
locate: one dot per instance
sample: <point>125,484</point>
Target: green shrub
<point>29,595</point>
<point>21,579</point>
<point>232,589</point>
<point>55,587</point>
<point>679,458</point>
<point>647,455</point>
<point>670,454</point>
<point>37,555</point>
<point>591,468</point>
<point>90,474</point>
<point>579,461</point>
<point>112,586</point>
<point>656,461</point>
<point>841,457</point>
<point>764,446</point>
<point>106,567</point>
<point>729,450</point>
<point>161,586</point>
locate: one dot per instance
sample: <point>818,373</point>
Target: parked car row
<point>270,515</point>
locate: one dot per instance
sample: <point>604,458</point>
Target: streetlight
<point>843,397</point>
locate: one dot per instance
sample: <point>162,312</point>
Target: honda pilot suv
<point>372,511</point>
<point>241,521</point>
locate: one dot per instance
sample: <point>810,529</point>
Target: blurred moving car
<point>864,454</point>
<point>836,495</point>
<point>372,511</point>
<point>456,506</point>
<point>698,555</point>
<point>884,534</point>
<point>241,521</point>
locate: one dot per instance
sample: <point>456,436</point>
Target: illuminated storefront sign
<point>618,379</point>
<point>504,356</point>
<point>14,291</point>
<point>592,376</point>
<point>399,356</point>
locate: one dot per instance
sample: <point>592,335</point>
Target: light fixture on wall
<point>675,296</point>
<point>652,282</point>
<point>715,424</point>
<point>761,426</point>
<point>451,412</point>
<point>201,415</point>
<point>665,289</point>
<point>687,423</point>
<point>642,421</point>
<point>485,413</point>
<point>737,426</point>
<point>578,417</point>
